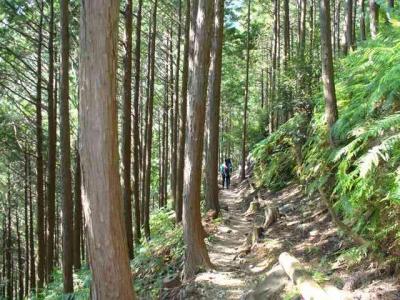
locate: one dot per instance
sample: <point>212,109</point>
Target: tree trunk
<point>77,212</point>
<point>348,29</point>
<point>302,31</point>
<point>26,219</point>
<point>246,97</point>
<point>338,26</point>
<point>20,262</point>
<point>126,128</point>
<point>172,118</point>
<point>177,75</point>
<point>149,137</point>
<point>102,194</point>
<point>145,127</point>
<point>32,271</point>
<point>52,121</point>
<point>182,123</point>
<point>331,111</point>
<point>286,29</point>
<point>213,109</point>
<point>8,249</point>
<point>39,159</point>
<point>362,21</point>
<point>67,204</point>
<point>373,18</point>
<point>136,142</point>
<point>200,42</point>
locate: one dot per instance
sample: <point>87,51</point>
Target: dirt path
<point>230,279</point>
<point>304,229</point>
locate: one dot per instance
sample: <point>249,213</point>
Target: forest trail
<point>229,280</point>
<point>304,229</point>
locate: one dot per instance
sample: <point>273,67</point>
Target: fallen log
<point>308,288</point>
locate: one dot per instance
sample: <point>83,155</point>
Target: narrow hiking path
<point>229,279</point>
<point>303,229</point>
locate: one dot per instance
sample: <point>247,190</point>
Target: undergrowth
<point>365,164</point>
<point>153,261</point>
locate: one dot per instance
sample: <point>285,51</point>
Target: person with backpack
<point>226,170</point>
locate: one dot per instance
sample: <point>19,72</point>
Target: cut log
<point>308,288</point>
<point>271,215</point>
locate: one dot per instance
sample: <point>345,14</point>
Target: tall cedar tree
<point>52,121</point>
<point>67,204</point>
<point>196,254</point>
<point>213,108</point>
<point>246,96</point>
<point>183,117</point>
<point>136,123</point>
<point>126,127</point>
<point>331,111</point>
<point>39,159</point>
<point>373,17</point>
<point>102,194</point>
<point>149,126</point>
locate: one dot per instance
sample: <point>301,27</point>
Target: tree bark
<point>302,31</point>
<point>246,97</point>
<point>373,18</point>
<point>52,121</point>
<point>213,109</point>
<point>67,204</point>
<point>127,128</point>
<point>8,249</point>
<point>149,137</point>
<point>39,160</point>
<point>136,123</point>
<point>177,95</point>
<point>19,256</point>
<point>172,118</point>
<point>200,42</point>
<point>348,29</point>
<point>331,111</point>
<point>77,212</point>
<point>102,193</point>
<point>26,219</point>
<point>32,271</point>
<point>182,122</point>
<point>286,29</point>
<point>362,21</point>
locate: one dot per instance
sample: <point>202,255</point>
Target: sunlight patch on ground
<point>221,279</point>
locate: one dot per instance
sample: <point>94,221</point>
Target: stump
<point>256,235</point>
<point>253,208</point>
<point>271,215</point>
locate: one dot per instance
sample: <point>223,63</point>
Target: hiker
<point>226,169</point>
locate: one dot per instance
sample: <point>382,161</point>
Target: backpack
<point>227,170</point>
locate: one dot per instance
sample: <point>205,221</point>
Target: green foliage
<point>54,291</point>
<point>153,261</point>
<point>160,256</point>
<point>275,156</point>
<point>366,161</point>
